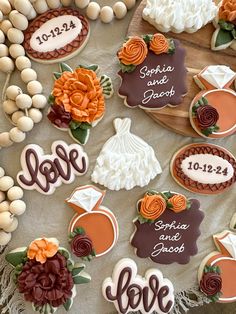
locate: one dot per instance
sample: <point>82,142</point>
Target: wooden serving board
<point>199,55</point>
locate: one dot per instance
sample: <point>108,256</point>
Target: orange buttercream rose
<point>81,94</point>
<point>159,44</point>
<point>227,11</point>
<point>134,51</point>
<point>41,249</point>
<point>179,203</point>
<point>152,206</point>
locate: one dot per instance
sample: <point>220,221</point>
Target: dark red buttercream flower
<point>58,116</point>
<point>81,245</point>
<point>207,116</point>
<point>211,283</point>
<point>48,283</point>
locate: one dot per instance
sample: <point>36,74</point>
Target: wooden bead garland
<point>11,206</point>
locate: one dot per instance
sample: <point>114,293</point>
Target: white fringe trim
<point>10,299</point>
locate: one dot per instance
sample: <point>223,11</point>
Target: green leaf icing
<point>85,126</point>
<point>106,84</point>
<point>171,50</point>
<point>68,304</point>
<point>223,37</point>
<point>92,67</point>
<point>210,130</point>
<point>226,25</point>
<point>80,135</point>
<point>127,68</point>
<point>51,99</point>
<point>65,67</point>
<point>16,257</point>
<point>57,75</point>
<point>147,38</point>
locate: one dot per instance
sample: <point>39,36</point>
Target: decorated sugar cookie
<point>56,35</point>
<point>94,230</point>
<point>78,100</point>
<point>46,275</point>
<point>212,111</point>
<point>125,160</point>
<point>224,22</point>
<point>44,173</point>
<point>11,206</point>
<point>218,269</point>
<point>130,292</point>
<point>204,168</point>
<point>153,74</point>
<point>167,227</point>
<point>179,15</point>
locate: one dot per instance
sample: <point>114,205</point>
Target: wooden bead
<point>28,75</point>
<point>129,3</point>
<point>2,172</point>
<point>1,16</point>
<point>2,37</point>
<point>13,226</point>
<point>34,88</point>
<point>16,116</point>
<point>5,237</point>
<point>41,6</point>
<point>3,50</point>
<point>25,124</point>
<point>93,11</point>
<point>15,36</point>
<point>106,14</point>
<point>5,26</point>
<point>16,51</point>
<point>15,193</point>
<point>9,106</point>
<point>6,219</point>
<point>6,65</point>
<point>16,135</point>
<point>54,4</point>
<point>23,63</point>
<point>23,101</point>
<point>5,140</point>
<point>120,10</point>
<point>5,7</point>
<point>13,91</point>
<point>66,3</point>
<point>4,206</point>
<point>81,4</point>
<point>36,115</point>
<point>6,183</point>
<point>17,207</point>
<point>32,15</point>
<point>2,197</point>
<point>18,20</point>
<point>23,7</point>
<point>39,101</point>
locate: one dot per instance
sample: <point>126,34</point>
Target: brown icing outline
<point>57,53</point>
<point>195,186</point>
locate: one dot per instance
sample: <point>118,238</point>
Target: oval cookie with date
<point>56,35</point>
<point>204,168</point>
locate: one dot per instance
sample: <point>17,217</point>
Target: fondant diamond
<point>218,75</point>
<point>86,198</point>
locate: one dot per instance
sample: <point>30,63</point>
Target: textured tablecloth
<point>49,216</point>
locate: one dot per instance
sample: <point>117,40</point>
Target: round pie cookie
<point>56,35</point>
<point>204,168</point>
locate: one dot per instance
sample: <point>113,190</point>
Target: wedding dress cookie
<point>125,160</point>
<point>179,15</point>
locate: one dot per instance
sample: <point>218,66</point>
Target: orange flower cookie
<point>41,249</point>
<point>167,227</point>
<point>159,44</point>
<point>78,100</point>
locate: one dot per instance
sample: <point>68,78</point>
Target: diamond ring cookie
<point>94,230</point>
<point>11,206</point>
<point>153,293</point>
<point>218,269</point>
<point>56,35</point>
<point>212,111</point>
<point>44,173</point>
<point>179,15</point>
<point>204,168</point>
<point>167,227</point>
<point>153,73</point>
<point>46,275</point>
<point>78,100</point>
<point>125,160</point>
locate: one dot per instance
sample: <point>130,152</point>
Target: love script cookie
<point>94,230</point>
<point>167,227</point>
<point>153,73</point>
<point>130,292</point>
<point>217,272</point>
<point>212,111</point>
<point>56,35</point>
<point>204,168</point>
<point>45,173</point>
